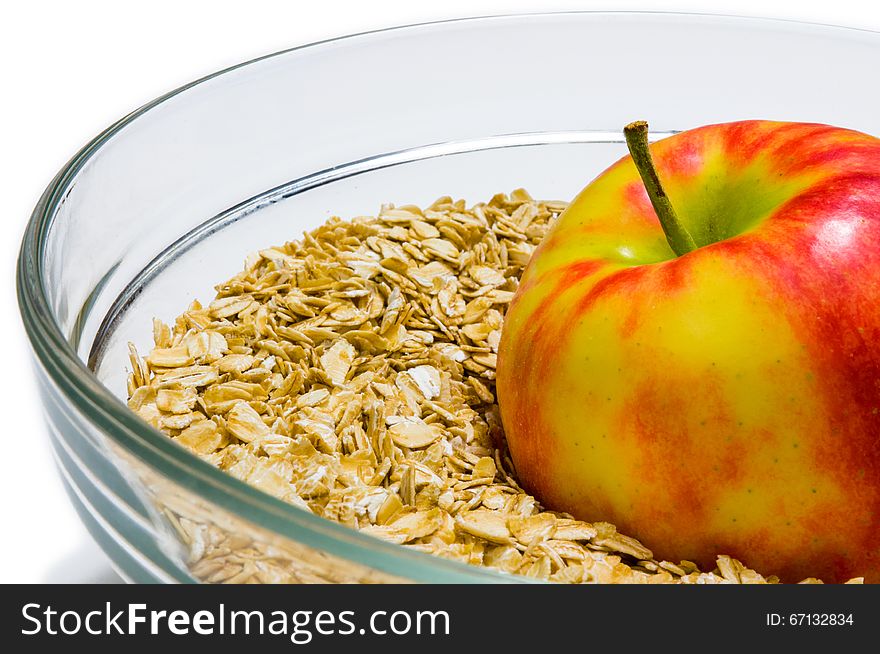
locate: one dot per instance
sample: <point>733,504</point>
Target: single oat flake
<point>352,374</point>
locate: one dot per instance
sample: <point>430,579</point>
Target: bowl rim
<point>56,357</point>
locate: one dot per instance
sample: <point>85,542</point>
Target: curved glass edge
<point>57,359</point>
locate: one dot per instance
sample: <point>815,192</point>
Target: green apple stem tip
<point>677,236</point>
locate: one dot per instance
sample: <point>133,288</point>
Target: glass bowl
<point>170,200</point>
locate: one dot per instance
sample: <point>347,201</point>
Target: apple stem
<point>677,236</point>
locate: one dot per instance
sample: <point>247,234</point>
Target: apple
<point>693,353</point>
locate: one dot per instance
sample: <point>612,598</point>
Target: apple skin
<point>728,400</point>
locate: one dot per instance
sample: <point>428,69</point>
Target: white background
<point>71,68</point>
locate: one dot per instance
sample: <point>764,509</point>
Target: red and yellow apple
<point>714,389</point>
